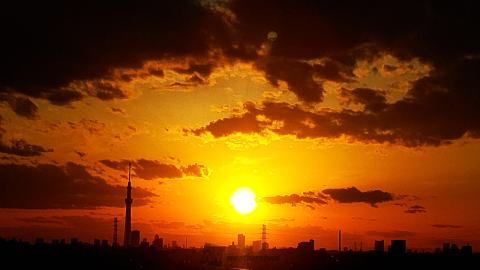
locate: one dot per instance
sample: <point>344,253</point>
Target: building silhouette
<point>39,241</point>
<point>446,247</point>
<point>306,246</point>
<point>256,246</point>
<point>135,238</point>
<point>128,212</point>
<point>115,232</point>
<point>104,243</point>
<point>157,241</point>
<point>241,241</point>
<point>398,246</point>
<point>379,245</point>
<point>144,243</point>
<point>467,249</point>
<point>74,241</point>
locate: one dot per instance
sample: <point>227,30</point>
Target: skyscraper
<point>256,245</point>
<point>128,211</point>
<point>398,247</point>
<point>157,242</point>
<point>241,241</point>
<point>135,238</point>
<point>306,246</point>
<point>379,245</point>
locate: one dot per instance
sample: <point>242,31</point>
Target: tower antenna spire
<point>128,210</point>
<point>129,169</point>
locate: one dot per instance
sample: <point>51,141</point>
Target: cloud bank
<point>68,186</point>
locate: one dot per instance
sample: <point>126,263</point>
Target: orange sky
<point>195,136</point>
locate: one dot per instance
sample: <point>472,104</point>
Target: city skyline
<point>201,120</point>
<point>132,238</point>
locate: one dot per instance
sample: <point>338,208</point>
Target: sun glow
<point>243,200</point>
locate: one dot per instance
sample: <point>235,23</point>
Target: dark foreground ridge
<point>16,254</point>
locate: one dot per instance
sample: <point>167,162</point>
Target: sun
<point>243,200</point>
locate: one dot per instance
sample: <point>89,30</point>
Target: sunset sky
<point>352,116</point>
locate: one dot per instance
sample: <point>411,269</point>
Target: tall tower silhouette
<point>128,210</point>
<point>264,236</point>
<point>339,240</point>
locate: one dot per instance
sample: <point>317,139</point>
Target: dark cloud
<point>195,79</point>
<point>154,169</point>
<point>341,195</point>
<point>352,195</point>
<point>405,122</point>
<point>203,70</point>
<point>80,153</point>
<point>196,170</point>
<point>156,72</point>
<point>51,45</point>
<point>116,165</point>
<point>246,123</point>
<point>62,96</point>
<point>178,84</point>
<point>66,186</point>
<point>409,28</point>
<point>414,209</point>
<point>372,100</point>
<point>118,110</point>
<point>297,74</point>
<point>108,91</point>
<point>22,106</point>
<point>446,226</point>
<point>307,198</point>
<point>389,68</point>
<point>20,147</point>
<point>93,127</point>
<point>334,71</point>
<point>439,108</point>
<point>151,169</point>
